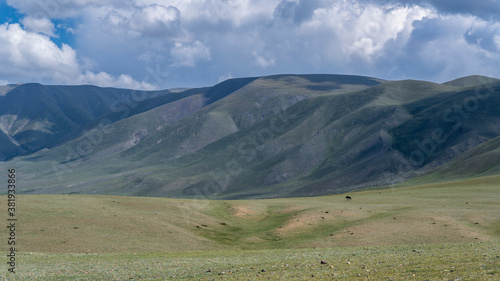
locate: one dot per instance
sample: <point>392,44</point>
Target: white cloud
<point>156,20</point>
<point>115,23</point>
<point>105,80</point>
<point>482,33</point>
<point>214,12</point>
<point>151,21</point>
<point>363,30</point>
<point>225,77</point>
<point>39,25</point>
<point>496,39</point>
<point>439,50</point>
<point>262,61</point>
<point>56,9</point>
<point>28,54</point>
<point>189,54</point>
<point>25,55</point>
<point>196,42</point>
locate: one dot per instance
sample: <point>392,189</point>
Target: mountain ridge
<point>273,136</point>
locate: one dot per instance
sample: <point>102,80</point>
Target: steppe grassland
<point>446,230</point>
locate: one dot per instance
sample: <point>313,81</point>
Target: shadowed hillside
<point>275,136</point>
<point>33,116</point>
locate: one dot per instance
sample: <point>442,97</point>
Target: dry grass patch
<point>451,212</point>
<point>96,224</point>
<point>243,211</point>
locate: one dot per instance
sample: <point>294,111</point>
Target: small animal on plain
<point>348,197</point>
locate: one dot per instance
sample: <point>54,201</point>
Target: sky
<point>159,44</point>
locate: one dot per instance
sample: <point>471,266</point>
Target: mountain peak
<point>470,81</point>
<point>258,137</point>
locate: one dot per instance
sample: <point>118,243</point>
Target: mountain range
<point>259,137</point>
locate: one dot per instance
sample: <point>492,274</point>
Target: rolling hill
<point>263,137</point>
<point>427,232</point>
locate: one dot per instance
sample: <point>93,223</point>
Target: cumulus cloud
<point>105,80</point>
<point>57,9</point>
<point>27,55</point>
<point>218,13</point>
<point>364,30</point>
<point>150,21</point>
<point>196,42</point>
<point>39,25</point>
<point>484,9</point>
<point>298,11</point>
<point>156,20</point>
<point>484,35</point>
<point>439,49</point>
<point>187,55</point>
<point>262,61</point>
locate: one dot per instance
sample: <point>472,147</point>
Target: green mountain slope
<point>275,136</point>
<point>482,160</point>
<point>34,116</point>
<point>473,80</point>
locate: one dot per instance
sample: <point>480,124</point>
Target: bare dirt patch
<point>241,211</point>
<point>299,222</point>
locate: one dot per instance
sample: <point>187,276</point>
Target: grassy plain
<point>462,261</point>
<point>446,230</point>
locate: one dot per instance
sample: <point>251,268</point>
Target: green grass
<point>462,261</point>
<point>453,227</point>
<point>451,212</point>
